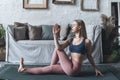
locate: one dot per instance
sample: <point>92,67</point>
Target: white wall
<point>12,10</point>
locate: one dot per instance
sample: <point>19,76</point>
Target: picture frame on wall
<point>63,1</point>
<point>35,4</point>
<point>90,5</point>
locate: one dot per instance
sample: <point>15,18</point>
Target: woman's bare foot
<point>21,66</point>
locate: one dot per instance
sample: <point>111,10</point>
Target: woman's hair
<point>83,28</point>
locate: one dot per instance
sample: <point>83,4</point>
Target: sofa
<point>38,51</point>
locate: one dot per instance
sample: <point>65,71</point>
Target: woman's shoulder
<point>87,41</point>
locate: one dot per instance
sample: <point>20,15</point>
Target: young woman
<point>79,46</point>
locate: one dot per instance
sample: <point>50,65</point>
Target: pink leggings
<point>70,67</point>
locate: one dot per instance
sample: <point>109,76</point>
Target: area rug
<point>9,72</point>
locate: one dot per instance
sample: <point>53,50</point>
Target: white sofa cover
<point>39,52</point>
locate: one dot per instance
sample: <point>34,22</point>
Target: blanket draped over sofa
<point>39,52</point>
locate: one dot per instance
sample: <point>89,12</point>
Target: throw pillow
<point>34,32</point>
<point>20,33</point>
<point>25,25</point>
<point>47,33</point>
<point>63,32</point>
<point>19,24</point>
<point>70,33</point>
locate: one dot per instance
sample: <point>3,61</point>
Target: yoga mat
<point>87,73</point>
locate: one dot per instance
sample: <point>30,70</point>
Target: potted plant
<point>115,54</point>
<point>109,40</point>
<point>2,35</point>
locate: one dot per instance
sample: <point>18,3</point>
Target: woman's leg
<point>48,69</point>
<point>40,70</point>
<point>55,58</point>
<point>69,67</point>
<point>66,65</point>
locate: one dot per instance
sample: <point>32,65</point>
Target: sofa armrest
<point>93,32</point>
<point>10,29</point>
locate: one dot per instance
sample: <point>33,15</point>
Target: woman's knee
<point>55,49</point>
<point>59,51</point>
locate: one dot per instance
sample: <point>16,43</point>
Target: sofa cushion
<point>47,32</point>
<point>19,24</point>
<point>34,32</point>
<point>70,33</point>
<point>63,32</point>
<point>20,33</point>
<point>25,25</point>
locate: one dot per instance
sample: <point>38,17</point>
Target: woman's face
<point>75,27</point>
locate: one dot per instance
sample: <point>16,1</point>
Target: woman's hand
<point>56,29</point>
<point>98,72</point>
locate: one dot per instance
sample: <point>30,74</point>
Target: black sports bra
<point>80,48</point>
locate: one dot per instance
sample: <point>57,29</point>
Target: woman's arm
<point>90,58</point>
<point>59,46</point>
<point>88,48</point>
